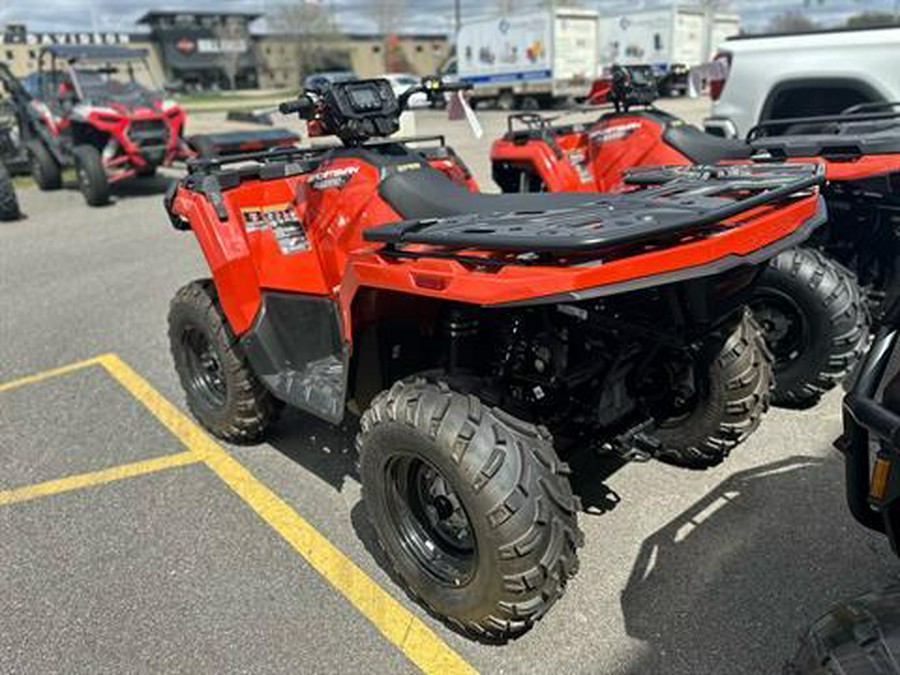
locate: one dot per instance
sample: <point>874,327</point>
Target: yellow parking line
<point>83,480</point>
<point>47,374</point>
<point>397,624</point>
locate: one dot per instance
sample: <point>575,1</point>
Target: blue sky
<point>427,15</point>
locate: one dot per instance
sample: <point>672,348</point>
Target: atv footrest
<point>688,200</point>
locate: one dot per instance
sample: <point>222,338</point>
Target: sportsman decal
<point>331,178</point>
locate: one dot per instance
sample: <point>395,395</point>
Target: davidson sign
<point>66,38</point>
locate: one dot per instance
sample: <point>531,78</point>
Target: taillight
<point>718,75</point>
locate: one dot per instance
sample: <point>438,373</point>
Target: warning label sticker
<point>282,220</point>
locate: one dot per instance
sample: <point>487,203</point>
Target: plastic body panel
<point>337,201</point>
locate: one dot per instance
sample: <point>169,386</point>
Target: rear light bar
<point>720,67</point>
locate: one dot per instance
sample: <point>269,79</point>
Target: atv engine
<point>561,365</point>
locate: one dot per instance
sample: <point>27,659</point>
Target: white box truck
<point>671,40</point>
<point>528,60</point>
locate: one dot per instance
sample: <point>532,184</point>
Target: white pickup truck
<point>800,75</point>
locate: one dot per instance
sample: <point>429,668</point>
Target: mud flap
<point>295,348</point>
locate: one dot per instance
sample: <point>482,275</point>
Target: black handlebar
<point>431,87</point>
<point>360,110</point>
<point>303,106</point>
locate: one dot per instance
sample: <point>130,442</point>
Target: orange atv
<point>812,300</point>
<point>481,336</point>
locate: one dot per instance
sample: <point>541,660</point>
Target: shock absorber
<point>461,326</point>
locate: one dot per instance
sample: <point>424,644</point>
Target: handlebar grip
<point>302,106</point>
<point>457,86</point>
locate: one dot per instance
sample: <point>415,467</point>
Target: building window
<point>376,49</point>
<point>419,49</point>
<point>9,55</point>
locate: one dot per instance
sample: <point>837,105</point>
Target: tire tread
<point>535,515</point>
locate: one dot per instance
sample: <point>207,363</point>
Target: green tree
<point>792,22</point>
<point>870,19</point>
<point>315,33</point>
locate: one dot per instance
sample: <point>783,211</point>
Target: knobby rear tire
<point>514,490</point>
<point>735,395</point>
<point>830,309</point>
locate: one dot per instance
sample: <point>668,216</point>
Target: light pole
<point>709,17</point>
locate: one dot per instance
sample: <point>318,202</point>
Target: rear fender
<point>622,142</point>
<point>536,157</point>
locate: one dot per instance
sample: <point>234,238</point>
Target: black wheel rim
<point>430,520</point>
<point>204,369</point>
<point>785,327</point>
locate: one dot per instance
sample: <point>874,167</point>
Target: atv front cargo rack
<point>274,160</point>
<point>682,201</point>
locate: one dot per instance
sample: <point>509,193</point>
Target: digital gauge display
<point>364,98</point>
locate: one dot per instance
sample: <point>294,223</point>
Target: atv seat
<point>428,193</point>
<point>703,148</point>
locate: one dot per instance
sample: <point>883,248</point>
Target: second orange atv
<point>479,336</point>
<point>811,300</point>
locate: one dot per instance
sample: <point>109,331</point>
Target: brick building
<point>218,50</point>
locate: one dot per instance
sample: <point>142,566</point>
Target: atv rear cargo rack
<point>683,200</point>
<point>535,126</point>
<point>865,129</point>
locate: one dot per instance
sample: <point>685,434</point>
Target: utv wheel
<point>44,168</point>
<point>815,323</point>
<point>506,101</point>
<point>9,205</point>
<point>222,391</point>
<point>472,507</point>
<point>732,381</point>
<point>92,179</point>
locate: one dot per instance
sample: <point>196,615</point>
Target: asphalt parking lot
<point>130,542</point>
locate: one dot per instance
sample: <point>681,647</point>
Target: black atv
<point>871,438</point>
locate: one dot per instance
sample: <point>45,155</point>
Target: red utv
<point>479,336</point>
<point>811,302</point>
<point>90,109</point>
